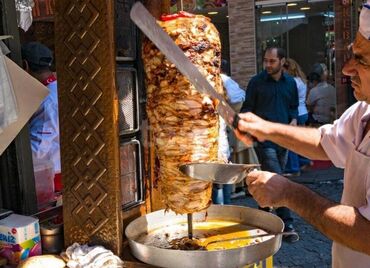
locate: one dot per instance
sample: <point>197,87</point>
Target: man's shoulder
<point>258,77</point>
<point>289,78</point>
<point>355,113</point>
<point>330,87</point>
<point>53,85</point>
<point>224,77</point>
<point>359,107</point>
<point>313,92</point>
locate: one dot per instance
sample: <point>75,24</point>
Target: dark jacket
<point>275,101</point>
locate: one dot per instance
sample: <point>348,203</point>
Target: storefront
<point>305,30</point>
<point>316,31</point>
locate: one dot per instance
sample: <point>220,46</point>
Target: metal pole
<point>287,27</point>
<point>190,225</point>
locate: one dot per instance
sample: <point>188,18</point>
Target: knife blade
<point>149,26</point>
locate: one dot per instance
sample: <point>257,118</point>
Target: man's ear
<point>283,60</point>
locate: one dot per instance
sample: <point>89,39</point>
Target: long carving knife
<point>149,26</point>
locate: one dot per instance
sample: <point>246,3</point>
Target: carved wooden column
<point>343,38</point>
<point>88,122</point>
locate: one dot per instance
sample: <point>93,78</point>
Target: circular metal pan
<point>229,258</point>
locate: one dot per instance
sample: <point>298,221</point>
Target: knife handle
<point>235,126</point>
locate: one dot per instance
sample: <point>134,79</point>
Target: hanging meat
<point>184,122</point>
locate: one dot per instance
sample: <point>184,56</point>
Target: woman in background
<point>293,68</point>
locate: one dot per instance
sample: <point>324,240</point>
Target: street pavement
<point>313,249</point>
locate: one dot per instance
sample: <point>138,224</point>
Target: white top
<point>347,148</point>
<point>44,130</point>
<point>235,95</point>
<point>234,92</point>
<point>323,99</point>
<point>302,92</point>
<point>223,142</point>
<point>364,27</point>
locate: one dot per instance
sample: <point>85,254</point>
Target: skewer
<point>190,225</point>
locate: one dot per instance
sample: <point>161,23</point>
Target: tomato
<point>181,14</point>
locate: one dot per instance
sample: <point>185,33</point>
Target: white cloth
<point>8,102</point>
<point>347,147</point>
<point>234,92</point>
<point>322,98</point>
<point>83,256</point>
<point>24,19</point>
<point>44,130</point>
<point>24,13</point>
<point>364,27</point>
<point>223,142</point>
<point>4,49</point>
<point>302,92</point>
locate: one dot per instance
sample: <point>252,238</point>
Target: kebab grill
<point>184,122</point>
<point>185,127</point>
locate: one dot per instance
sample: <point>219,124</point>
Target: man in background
<point>321,99</point>
<point>273,95</point>
<point>44,124</point>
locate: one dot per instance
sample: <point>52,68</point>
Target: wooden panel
<point>43,10</point>
<point>89,122</point>
<point>343,38</point>
<point>41,31</point>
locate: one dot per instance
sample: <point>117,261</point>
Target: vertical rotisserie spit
<point>184,122</point>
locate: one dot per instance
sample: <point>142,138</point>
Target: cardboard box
<point>19,238</point>
<point>29,94</point>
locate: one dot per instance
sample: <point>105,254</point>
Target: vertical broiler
<point>185,125</point>
<point>184,122</point>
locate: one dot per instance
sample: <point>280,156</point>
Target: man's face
<point>272,63</point>
<point>358,68</point>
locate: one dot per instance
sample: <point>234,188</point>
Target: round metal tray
<point>193,258</point>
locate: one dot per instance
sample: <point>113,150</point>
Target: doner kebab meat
<point>184,122</point>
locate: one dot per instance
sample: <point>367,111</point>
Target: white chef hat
<point>364,28</point>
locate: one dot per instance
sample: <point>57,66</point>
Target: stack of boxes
<point>19,238</point>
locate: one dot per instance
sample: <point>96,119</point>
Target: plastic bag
<point>24,13</point>
<point>8,103</point>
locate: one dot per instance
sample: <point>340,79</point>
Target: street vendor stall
<point>109,157</point>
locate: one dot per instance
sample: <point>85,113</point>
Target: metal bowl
<point>232,258</point>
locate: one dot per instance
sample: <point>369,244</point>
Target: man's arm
<point>302,140</point>
<point>343,224</point>
<point>311,101</point>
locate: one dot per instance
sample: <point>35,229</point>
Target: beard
<point>272,71</point>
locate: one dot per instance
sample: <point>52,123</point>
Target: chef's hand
<point>268,189</point>
<point>252,124</point>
